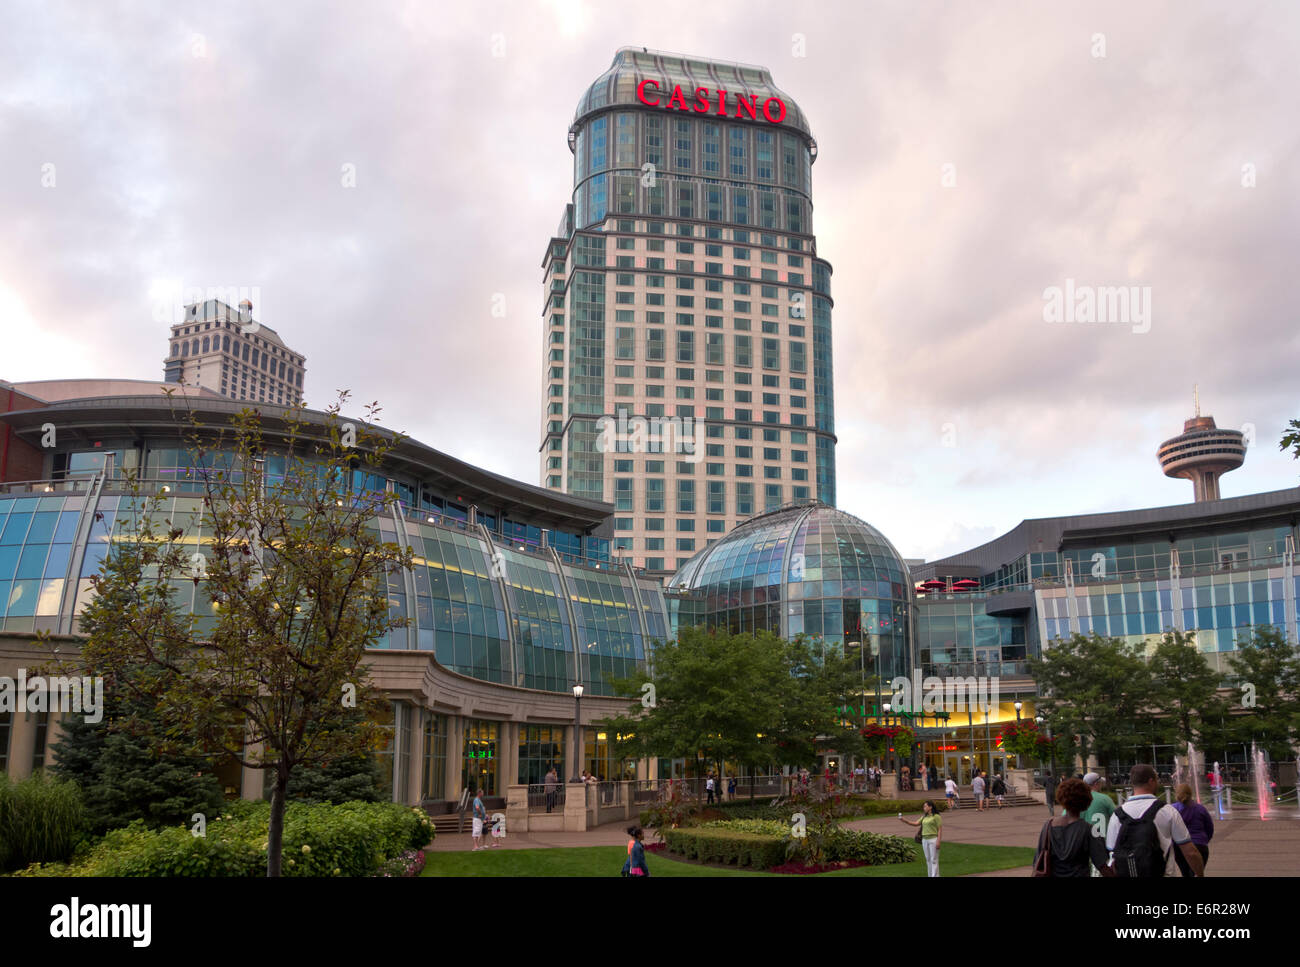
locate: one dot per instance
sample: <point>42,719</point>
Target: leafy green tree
<point>716,698</point>
<point>1267,672</point>
<point>1095,693</point>
<point>817,682</point>
<point>296,571</point>
<point>753,699</point>
<point>123,777</point>
<point>1183,690</point>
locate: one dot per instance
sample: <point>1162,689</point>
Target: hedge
<point>717,845</point>
<point>351,839</point>
<point>762,844</point>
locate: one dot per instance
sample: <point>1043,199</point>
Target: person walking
<point>635,864</point>
<point>708,788</point>
<point>931,824</point>
<point>924,772</point>
<point>552,783</point>
<point>977,786</point>
<point>1065,843</point>
<point>999,790</point>
<point>950,793</point>
<point>1199,823</point>
<point>1144,832</point>
<point>731,787</point>
<point>480,817</point>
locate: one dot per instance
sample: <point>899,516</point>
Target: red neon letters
<point>702,99</point>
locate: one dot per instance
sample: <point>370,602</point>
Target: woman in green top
<point>931,834</point>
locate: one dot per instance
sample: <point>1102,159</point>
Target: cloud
<point>208,145</point>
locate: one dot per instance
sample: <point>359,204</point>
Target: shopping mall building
<point>480,683</point>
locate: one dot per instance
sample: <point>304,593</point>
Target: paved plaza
<point>1242,846</point>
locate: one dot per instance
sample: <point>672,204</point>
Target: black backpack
<point>1137,850</point>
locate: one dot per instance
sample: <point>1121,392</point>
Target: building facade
<point>512,601</point>
<point>229,352</point>
<point>683,288</point>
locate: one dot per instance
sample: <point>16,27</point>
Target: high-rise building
<point>229,352</point>
<point>684,296</point>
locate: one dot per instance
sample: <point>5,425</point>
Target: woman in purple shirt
<point>1199,824</point>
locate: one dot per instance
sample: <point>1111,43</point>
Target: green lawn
<point>956,859</point>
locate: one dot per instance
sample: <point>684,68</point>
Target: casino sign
<point>705,100</point>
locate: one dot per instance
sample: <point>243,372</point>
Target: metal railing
<point>543,798</point>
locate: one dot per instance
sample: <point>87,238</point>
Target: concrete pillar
<point>22,744</point>
<point>53,736</point>
<point>415,770</point>
<point>572,756</point>
<point>575,807</point>
<point>889,784</point>
<point>252,782</point>
<point>516,808</point>
<point>508,766</point>
<point>455,755</point>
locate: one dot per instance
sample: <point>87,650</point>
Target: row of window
<point>257,359</point>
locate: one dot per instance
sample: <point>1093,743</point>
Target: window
<point>685,497</point>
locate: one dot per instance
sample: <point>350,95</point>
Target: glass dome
<point>811,570</point>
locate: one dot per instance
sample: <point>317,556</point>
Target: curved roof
<point>89,418</point>
<point>808,542</point>
<point>617,86</point>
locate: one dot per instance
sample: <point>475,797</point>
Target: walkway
<point>1242,846</point>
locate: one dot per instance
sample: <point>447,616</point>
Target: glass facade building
<point>815,571</point>
<point>684,285</point>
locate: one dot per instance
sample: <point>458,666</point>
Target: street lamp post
<point>577,732</point>
<point>890,762</point>
<point>1050,785</point>
<point>1018,706</point>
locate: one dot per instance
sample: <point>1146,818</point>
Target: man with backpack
<point>1144,832</point>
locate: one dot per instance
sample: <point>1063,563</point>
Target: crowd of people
<point>1144,837</point>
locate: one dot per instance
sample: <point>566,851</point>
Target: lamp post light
<point>888,722</point>
<point>1018,705</point>
<point>1050,785</point>
<point>577,732</point>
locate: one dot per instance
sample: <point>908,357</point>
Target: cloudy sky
<point>972,156</point>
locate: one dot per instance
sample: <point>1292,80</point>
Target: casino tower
<point>687,315</point>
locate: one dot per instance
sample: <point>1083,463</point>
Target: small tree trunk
<point>275,834</point>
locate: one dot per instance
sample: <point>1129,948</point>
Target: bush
<point>41,820</point>
<point>715,844</point>
<point>870,848</point>
<point>352,839</point>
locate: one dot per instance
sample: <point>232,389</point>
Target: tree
<point>1184,688</point>
<point>245,625</point>
<point>1095,694</point>
<point>716,698</point>
<point>749,698</point>
<point>1267,671</point>
<point>122,778</point>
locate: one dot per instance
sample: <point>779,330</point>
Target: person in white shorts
<point>950,791</point>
